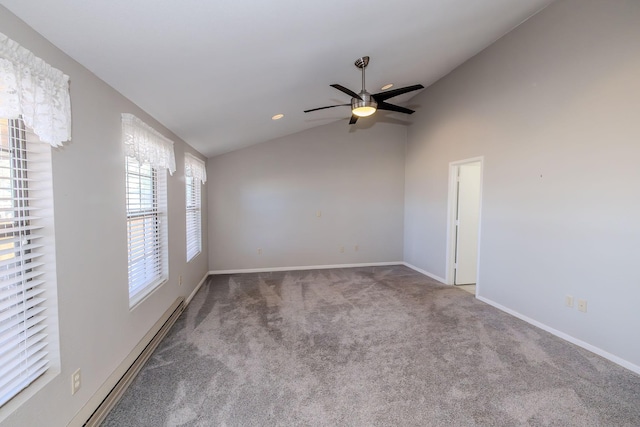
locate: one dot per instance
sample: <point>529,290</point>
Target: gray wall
<point>267,196</point>
<point>97,329</point>
<point>553,108</point>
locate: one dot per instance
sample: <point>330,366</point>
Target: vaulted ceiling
<point>215,72</point>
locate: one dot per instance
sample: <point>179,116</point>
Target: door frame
<point>452,207</point>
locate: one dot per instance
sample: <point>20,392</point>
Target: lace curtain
<point>147,145</point>
<point>194,167</point>
<point>31,88</point>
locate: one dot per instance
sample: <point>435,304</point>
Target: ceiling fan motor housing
<point>365,106</point>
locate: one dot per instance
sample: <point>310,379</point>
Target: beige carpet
<point>381,346</point>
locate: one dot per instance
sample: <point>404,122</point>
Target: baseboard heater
<point>121,386</point>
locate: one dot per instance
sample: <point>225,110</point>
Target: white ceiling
<point>214,72</point>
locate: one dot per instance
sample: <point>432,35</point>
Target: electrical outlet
<point>582,305</point>
<point>319,214</point>
<point>75,381</point>
<point>180,280</point>
<point>355,248</point>
<point>259,251</point>
<point>568,301</point>
<point>341,249</point>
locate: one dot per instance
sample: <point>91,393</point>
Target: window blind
<point>27,270</point>
<point>195,173</point>
<point>146,230</point>
<point>194,217</point>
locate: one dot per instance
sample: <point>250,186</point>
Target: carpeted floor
<point>382,346</point>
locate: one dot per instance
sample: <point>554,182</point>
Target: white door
<point>467,221</point>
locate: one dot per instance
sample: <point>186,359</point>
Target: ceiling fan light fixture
<point>362,108</point>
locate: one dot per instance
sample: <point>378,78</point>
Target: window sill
<point>145,293</point>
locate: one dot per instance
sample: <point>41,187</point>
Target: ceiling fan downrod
<point>362,64</point>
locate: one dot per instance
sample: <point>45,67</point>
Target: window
<point>148,154</point>
<point>27,264</point>
<point>194,220</point>
<point>195,174</point>
<point>35,113</point>
<point>146,229</point>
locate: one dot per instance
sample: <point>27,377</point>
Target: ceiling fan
<point>364,104</point>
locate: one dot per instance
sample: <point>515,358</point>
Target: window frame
<point>193,203</point>
<point>147,266</point>
<point>28,286</point>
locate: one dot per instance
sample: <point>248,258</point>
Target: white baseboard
<point>305,267</point>
<point>600,352</point>
<point>426,273</point>
<point>101,394</point>
<point>95,401</point>
<point>197,288</point>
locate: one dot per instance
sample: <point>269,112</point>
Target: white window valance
<point>33,89</point>
<point>194,167</point>
<point>147,145</point>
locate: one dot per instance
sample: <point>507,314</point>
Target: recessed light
<point>389,86</point>
<point>277,117</point>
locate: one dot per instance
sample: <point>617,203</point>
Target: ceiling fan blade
<point>391,107</point>
<point>382,96</point>
<point>354,119</point>
<point>347,91</point>
<point>322,108</point>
